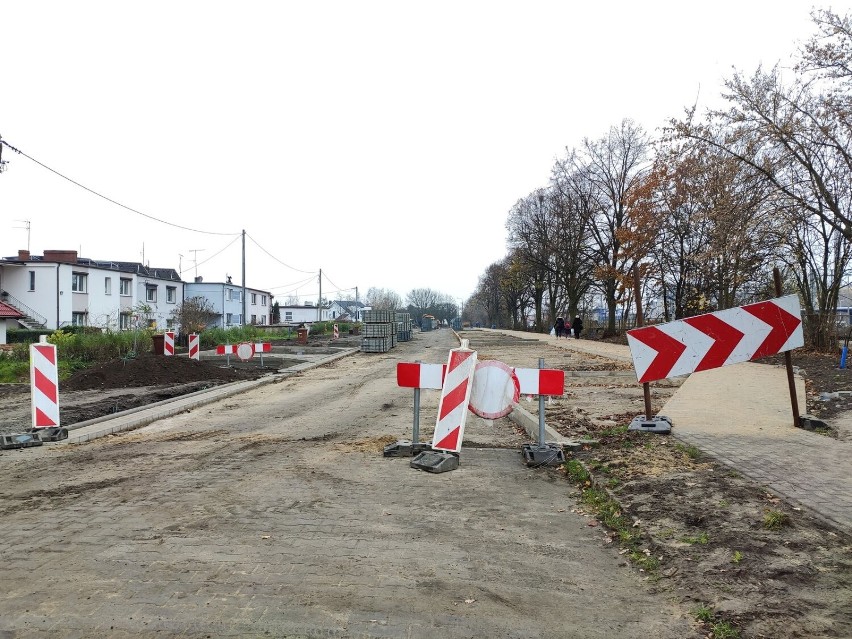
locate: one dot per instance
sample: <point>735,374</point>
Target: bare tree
<point>615,164</point>
<point>383,299</point>
<point>194,315</point>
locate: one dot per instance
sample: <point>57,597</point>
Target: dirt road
<point>274,514</point>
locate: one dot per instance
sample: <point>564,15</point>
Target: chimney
<point>198,279</point>
<point>23,256</point>
<point>69,257</point>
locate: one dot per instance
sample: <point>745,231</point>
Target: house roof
<point>124,267</point>
<point>8,311</point>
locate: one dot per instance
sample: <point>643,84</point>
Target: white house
<point>307,314</point>
<point>226,300</point>
<point>347,310</point>
<point>59,289</point>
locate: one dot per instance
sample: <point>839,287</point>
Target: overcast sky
<point>382,142</point>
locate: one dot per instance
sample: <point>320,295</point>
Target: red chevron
<point>783,324</point>
<point>451,441</point>
<point>668,350</point>
<point>726,339</point>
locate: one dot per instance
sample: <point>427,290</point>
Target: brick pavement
<point>742,416</point>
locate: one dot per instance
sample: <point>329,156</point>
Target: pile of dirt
<point>153,370</point>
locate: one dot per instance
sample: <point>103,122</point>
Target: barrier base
<point>434,461</point>
<point>404,448</point>
<point>23,440</point>
<point>658,424</point>
<point>547,455</point>
<point>50,433</point>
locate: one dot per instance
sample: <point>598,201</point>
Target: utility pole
<point>319,301</point>
<point>244,278</point>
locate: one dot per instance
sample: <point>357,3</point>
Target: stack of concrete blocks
<point>403,326</point>
<point>378,331</point>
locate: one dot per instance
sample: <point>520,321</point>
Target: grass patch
<point>738,557</point>
<point>720,629</point>
<point>702,538</point>
<point>576,471</point>
<point>724,630</point>
<point>690,451</point>
<point>775,520</point>
<point>703,613</point>
<point>610,513</point>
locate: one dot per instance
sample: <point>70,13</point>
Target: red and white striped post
<point>44,385</point>
<point>169,343</point>
<point>194,347</point>
<point>455,396</point>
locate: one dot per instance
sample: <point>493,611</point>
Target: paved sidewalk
<point>144,415</point>
<point>742,416</point>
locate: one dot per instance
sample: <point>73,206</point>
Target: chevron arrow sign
<point>716,339</point>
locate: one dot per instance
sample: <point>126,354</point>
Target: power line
<point>93,192</point>
<point>197,264</point>
<point>298,270</point>
<point>296,285</point>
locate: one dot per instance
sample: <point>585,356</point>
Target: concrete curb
<point>143,415</point>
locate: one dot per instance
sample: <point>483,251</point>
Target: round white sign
<point>245,351</point>
<point>495,390</point>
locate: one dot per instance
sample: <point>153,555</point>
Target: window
<point>263,299</point>
<point>124,321</point>
<point>32,280</point>
<point>124,287</point>
<point>262,319</point>
<point>228,317</point>
<point>228,293</point>
<point>253,300</point>
<point>107,286</point>
<point>170,324</point>
<point>78,283</point>
<point>171,294</point>
<point>288,316</point>
<point>78,319</point>
<point>150,293</point>
<point>254,319</point>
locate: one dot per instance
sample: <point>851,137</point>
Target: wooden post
<point>788,359</point>
<point>646,387</point>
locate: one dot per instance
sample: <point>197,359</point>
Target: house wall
<point>16,280</point>
<point>227,298</point>
<point>302,314</point>
<point>55,299</point>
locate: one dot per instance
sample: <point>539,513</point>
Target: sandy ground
<point>274,512</point>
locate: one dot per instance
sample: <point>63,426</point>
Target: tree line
<point>704,210</point>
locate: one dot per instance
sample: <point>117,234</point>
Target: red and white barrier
<point>455,396</point>
<point>44,385</point>
<point>716,339</point>
<point>169,343</point>
<point>415,375</point>
<point>531,381</point>
<point>244,350</point>
<point>541,381</point>
<point>194,347</point>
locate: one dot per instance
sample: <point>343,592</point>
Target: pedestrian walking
<point>577,325</point>
<point>560,327</point>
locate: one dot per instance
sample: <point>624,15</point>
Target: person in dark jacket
<point>560,328</point>
<point>577,325</point>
